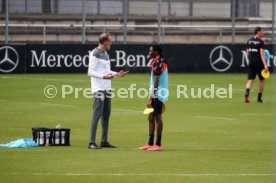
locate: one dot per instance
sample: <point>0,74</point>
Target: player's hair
<point>158,49</point>
<point>104,37</point>
<point>257,29</point>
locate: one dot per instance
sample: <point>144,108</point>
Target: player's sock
<point>151,140</point>
<point>260,96</point>
<point>247,92</point>
<point>158,140</point>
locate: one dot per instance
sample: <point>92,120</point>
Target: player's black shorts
<point>254,70</point>
<point>157,105</point>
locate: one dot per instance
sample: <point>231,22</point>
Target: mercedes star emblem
<point>221,58</point>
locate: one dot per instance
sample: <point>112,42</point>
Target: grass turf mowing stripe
<point>144,174</point>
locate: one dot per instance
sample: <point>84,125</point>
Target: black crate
<point>51,136</point>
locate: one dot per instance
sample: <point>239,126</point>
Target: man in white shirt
<point>101,76</point>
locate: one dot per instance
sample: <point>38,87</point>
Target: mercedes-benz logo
<point>8,59</point>
<point>221,58</point>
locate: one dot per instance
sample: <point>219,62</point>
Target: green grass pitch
<point>205,140</point>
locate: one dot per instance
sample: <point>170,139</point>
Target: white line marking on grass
<point>255,114</point>
<point>166,174</point>
<point>122,82</point>
<point>46,79</point>
<point>182,150</point>
<point>61,105</point>
<point>56,79</point>
<point>201,86</point>
<point>215,117</point>
<point>145,174</point>
<point>66,80</point>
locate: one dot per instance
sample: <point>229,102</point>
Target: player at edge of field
<point>257,62</point>
<point>158,95</point>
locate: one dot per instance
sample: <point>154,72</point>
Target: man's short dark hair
<point>104,37</point>
<point>257,29</point>
<point>157,48</point>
